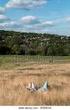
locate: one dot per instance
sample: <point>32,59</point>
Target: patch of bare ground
<point>13,85</point>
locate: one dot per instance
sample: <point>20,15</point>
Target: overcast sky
<point>50,16</point>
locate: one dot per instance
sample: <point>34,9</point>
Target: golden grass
<point>13,82</point>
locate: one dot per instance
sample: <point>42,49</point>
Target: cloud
<point>26,4</point>
<point>68,18</point>
<point>3,18</point>
<point>27,20</point>
<point>10,25</point>
<point>4,21</point>
<point>2,10</point>
<point>43,25</point>
<point>33,20</point>
<point>26,23</point>
<point>46,23</point>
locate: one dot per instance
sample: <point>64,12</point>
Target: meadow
<point>17,71</point>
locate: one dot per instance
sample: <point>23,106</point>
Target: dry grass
<point>13,82</point>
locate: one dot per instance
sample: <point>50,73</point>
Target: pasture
<point>17,71</point>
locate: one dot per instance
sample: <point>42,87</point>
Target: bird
<point>44,87</point>
<point>31,87</point>
<point>28,86</point>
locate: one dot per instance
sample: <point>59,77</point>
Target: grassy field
<point>17,71</point>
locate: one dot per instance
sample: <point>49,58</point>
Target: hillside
<point>33,44</point>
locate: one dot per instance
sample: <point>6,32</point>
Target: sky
<point>43,16</point>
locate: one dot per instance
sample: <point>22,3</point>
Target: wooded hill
<point>33,44</point>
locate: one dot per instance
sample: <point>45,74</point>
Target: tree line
<point>19,43</point>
